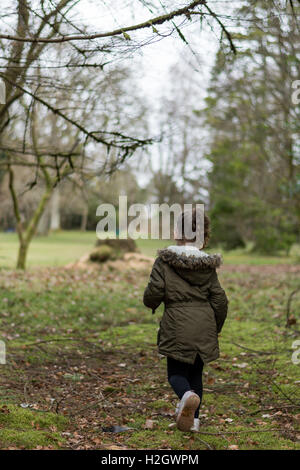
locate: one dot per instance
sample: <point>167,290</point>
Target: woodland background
<point>165,101</point>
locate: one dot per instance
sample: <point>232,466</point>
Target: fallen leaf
<point>242,365</point>
<point>149,424</point>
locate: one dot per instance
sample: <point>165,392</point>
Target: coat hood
<point>190,263</point>
<point>189,257</point>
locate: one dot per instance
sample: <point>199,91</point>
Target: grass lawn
<point>59,249</point>
<point>81,357</point>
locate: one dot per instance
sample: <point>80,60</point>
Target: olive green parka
<point>185,279</point>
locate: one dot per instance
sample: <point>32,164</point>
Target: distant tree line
<point>254,129</point>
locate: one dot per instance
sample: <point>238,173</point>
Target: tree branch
<point>228,35</point>
<point>126,146</point>
<point>120,31</point>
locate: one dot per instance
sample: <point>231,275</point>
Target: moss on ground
<point>26,429</point>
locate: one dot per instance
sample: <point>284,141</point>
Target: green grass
<point>23,428</point>
<point>81,349</point>
<point>58,249</point>
<point>61,248</point>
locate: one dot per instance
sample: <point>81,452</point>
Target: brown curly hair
<point>206,234</point>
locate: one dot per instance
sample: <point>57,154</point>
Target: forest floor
<point>82,358</point>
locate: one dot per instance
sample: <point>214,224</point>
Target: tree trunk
<point>55,211</point>
<point>22,255</point>
<point>25,238</point>
<point>84,218</point>
<point>43,225</point>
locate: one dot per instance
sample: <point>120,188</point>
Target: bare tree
<point>37,66</point>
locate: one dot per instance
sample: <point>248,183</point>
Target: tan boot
<point>186,412</point>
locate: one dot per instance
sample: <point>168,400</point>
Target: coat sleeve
<point>155,291</point>
<point>218,301</point>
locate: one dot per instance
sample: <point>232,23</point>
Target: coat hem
<point>178,357</point>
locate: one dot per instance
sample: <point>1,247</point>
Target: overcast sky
<point>155,59</point>
<point>158,57</point>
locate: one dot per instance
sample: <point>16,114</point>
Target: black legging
<point>184,377</point>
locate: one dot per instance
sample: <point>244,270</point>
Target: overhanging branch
<point>125,144</point>
<point>120,31</point>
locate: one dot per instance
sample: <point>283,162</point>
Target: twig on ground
<point>288,308</point>
<point>209,447</point>
<point>271,381</point>
<point>239,432</point>
<point>92,405</point>
<point>280,407</point>
<point>25,393</point>
<point>58,402</point>
<point>254,350</point>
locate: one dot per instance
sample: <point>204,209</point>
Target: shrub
<point>227,237</point>
<point>101,254</point>
<point>271,240</point>
<point>119,245</point>
<point>233,240</point>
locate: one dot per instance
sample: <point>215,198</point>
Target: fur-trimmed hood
<point>190,263</point>
<point>189,257</point>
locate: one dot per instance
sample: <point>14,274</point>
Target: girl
<point>185,279</point>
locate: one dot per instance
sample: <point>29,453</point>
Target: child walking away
<point>185,279</point>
